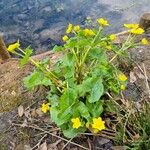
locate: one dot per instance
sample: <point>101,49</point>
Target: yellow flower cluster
<point>76,123</point>
<point>103,22</point>
<point>13,47</point>
<point>131,26</point>
<point>88,32</point>
<point>112,37</point>
<point>65,38</point>
<point>134,28</point>
<point>144,41</point>
<point>76,28</point>
<point>45,107</point>
<point>122,77</point>
<point>98,124</point>
<point>69,28</point>
<point>137,31</point>
<point>122,87</point>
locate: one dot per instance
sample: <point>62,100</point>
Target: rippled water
<point>41,23</point>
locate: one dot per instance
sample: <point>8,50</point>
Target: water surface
<point>41,23</point>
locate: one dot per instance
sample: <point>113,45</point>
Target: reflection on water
<point>41,23</point>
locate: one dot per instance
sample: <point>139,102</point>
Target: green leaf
<point>71,133</point>
<point>53,99</point>
<point>84,42</point>
<point>59,117</point>
<point>69,72</point>
<point>96,92</point>
<point>68,98</point>
<point>83,110</point>
<point>36,78</point>
<point>57,48</point>
<point>54,114</point>
<point>64,116</point>
<point>99,54</point>
<point>72,42</point>
<point>24,60</point>
<point>86,86</point>
<point>68,60</point>
<point>95,108</point>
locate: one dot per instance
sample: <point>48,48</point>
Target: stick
<point>66,144</point>
<point>40,129</point>
<point>38,144</point>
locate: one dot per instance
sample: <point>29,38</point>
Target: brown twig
<point>66,144</point>
<point>52,134</point>
<point>38,144</point>
<point>89,143</point>
<point>106,134</point>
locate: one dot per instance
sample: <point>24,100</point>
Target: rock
<point>100,142</point>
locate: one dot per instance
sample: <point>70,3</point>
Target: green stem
<point>86,53</point>
<point>52,76</point>
<point>123,48</point>
<point>81,62</point>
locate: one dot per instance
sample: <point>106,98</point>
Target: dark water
<point>41,23</point>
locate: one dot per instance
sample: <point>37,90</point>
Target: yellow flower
<point>76,123</point>
<point>122,87</point>
<point>122,77</point>
<point>98,124</point>
<point>88,32</point>
<point>65,38</point>
<point>76,28</point>
<point>131,26</point>
<point>112,37</point>
<point>13,47</point>
<point>45,107</point>
<point>103,22</point>
<point>137,31</point>
<point>69,28</point>
<point>144,41</point>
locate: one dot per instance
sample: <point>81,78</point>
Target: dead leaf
<point>20,111</point>
<point>19,147</point>
<point>39,112</point>
<point>47,120</point>
<point>24,124</point>
<point>132,77</point>
<point>27,147</point>
<point>136,137</point>
<point>140,75</point>
<point>43,146</point>
<point>53,146</point>
<point>28,114</point>
<point>33,113</point>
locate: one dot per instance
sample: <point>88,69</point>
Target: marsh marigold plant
<point>80,80</point>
